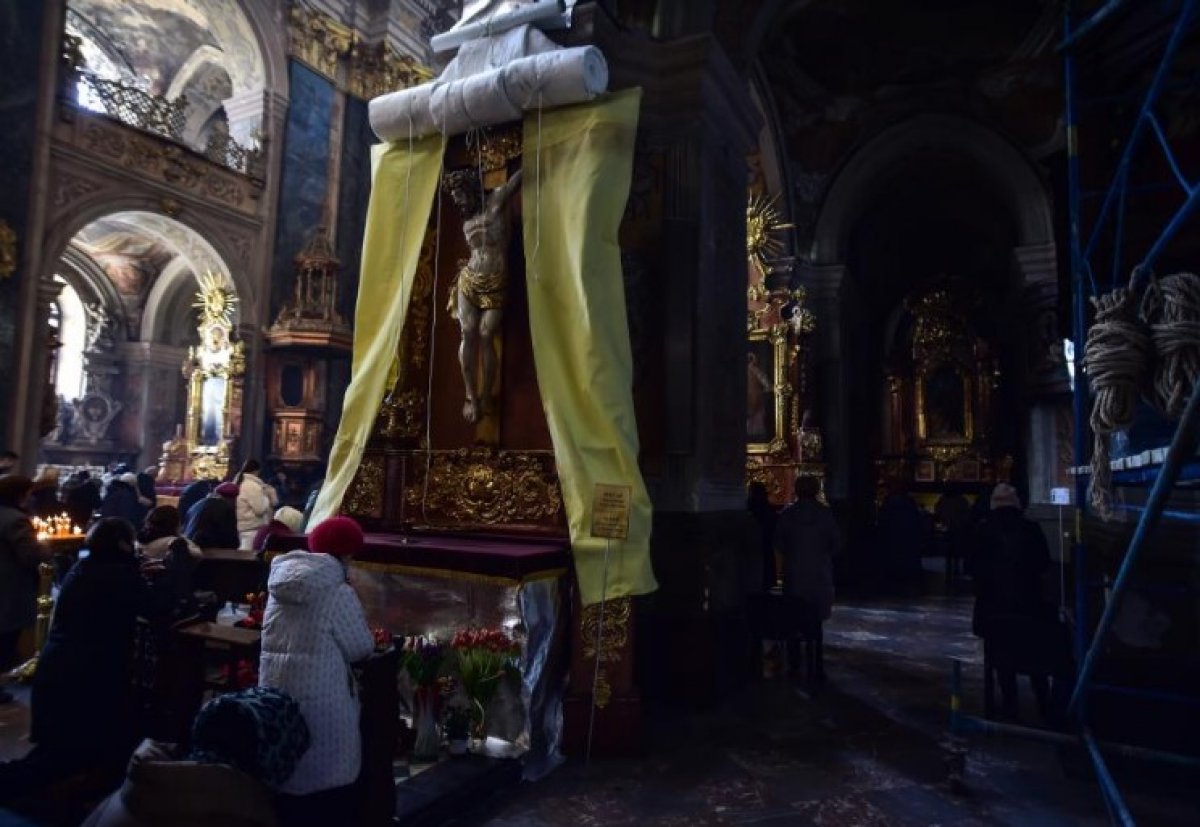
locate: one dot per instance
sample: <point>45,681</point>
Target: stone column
<point>28,87</point>
<point>824,284</point>
<point>154,395</point>
<point>1047,383</point>
<point>697,127</point>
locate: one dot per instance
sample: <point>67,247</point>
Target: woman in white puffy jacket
<point>314,628</point>
<point>256,502</point>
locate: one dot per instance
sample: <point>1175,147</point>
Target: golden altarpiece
<point>781,441</point>
<point>214,370</point>
<point>937,400</point>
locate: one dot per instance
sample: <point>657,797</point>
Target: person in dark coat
<point>193,493</point>
<point>900,532</point>
<point>81,496</point>
<point>808,539</point>
<point>759,506</point>
<point>1010,558</point>
<point>82,715</point>
<point>243,746</point>
<point>20,554</point>
<point>212,522</point>
<point>121,500</point>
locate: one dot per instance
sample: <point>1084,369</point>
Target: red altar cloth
<point>501,556</point>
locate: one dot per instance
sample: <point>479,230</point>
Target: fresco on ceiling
<point>130,259</point>
<point>158,38</point>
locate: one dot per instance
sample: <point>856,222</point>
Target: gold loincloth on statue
<point>484,290</point>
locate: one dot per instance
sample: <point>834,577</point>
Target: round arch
<point>861,177</point>
<point>205,243</point>
<point>268,23</point>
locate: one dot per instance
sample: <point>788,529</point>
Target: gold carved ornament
<point>402,412</point>
<point>484,487</point>
<point>376,69</point>
<point>614,637</point>
<point>8,250</point>
<point>781,389</point>
<point>365,497</point>
<point>317,39</point>
<point>763,223</point>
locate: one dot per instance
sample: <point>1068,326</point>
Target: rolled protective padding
<point>402,115</point>
<point>556,78</point>
<point>550,79</point>
<point>479,100</point>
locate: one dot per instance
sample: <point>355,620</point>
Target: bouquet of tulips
<point>483,657</point>
<point>422,658</point>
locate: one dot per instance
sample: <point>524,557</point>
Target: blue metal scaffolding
<point>1109,225</point>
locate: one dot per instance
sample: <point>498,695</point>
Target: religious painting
<point>766,390</point>
<point>212,407</point>
<point>944,404</point>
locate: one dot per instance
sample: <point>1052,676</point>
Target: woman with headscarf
<point>313,630</point>
<point>83,716</point>
<point>243,746</point>
<point>255,500</point>
<point>287,520</point>
<point>212,522</point>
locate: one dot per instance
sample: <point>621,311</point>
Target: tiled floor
<point>864,752</point>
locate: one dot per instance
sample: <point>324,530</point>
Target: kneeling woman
<point>314,628</point>
<point>83,717</point>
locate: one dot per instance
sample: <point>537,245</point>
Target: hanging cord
<point>537,205</point>
<point>1116,359</point>
<point>1171,309</point>
<point>433,315</point>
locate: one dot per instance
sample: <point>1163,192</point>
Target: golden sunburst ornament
<point>763,221</point>
<point>215,301</point>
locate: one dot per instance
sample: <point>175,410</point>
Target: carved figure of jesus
<point>477,296</point>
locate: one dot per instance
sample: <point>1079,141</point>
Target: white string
<point>435,302</point>
<point>537,196</point>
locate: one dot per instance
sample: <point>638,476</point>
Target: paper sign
<point>1060,496</point>
<point>610,511</point>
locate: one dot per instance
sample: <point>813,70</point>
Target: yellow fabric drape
<point>403,187</point>
<point>578,163</point>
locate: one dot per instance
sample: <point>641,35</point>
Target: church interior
<point>375,448</point>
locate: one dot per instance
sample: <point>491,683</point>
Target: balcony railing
<point>160,116</point>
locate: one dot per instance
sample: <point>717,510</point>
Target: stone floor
<point>863,752</point>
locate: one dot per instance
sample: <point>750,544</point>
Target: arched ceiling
<point>151,260</point>
<point>156,39</point>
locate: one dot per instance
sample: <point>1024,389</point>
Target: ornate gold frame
<point>216,303</point>
<point>782,390</point>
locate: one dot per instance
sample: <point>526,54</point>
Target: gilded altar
<point>782,441</point>
<point>937,399</point>
<point>214,370</point>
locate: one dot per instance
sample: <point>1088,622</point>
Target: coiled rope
<point>1171,310</point>
<point>1116,359</point>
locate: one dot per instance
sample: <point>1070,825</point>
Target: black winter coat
<point>193,493</point>
<point>82,697</point>
<point>1010,557</point>
<point>212,523</point>
<point>122,501</point>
